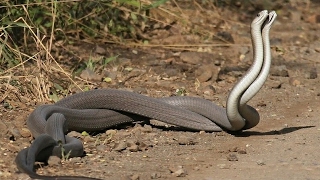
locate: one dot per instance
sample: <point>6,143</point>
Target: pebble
<point>155,176</point>
<point>54,161</point>
<point>261,163</point>
<point>120,146</point>
<point>232,157</point>
<point>178,171</point>
<point>225,36</point>
<point>132,147</point>
<point>15,132</point>
<point>147,128</point>
<point>223,166</point>
<point>312,74</point>
<point>186,141</point>
<point>90,75</point>
<point>190,57</point>
<point>25,132</point>
<point>274,84</point>
<point>294,82</point>
<point>111,132</point>
<point>142,146</point>
<point>280,71</point>
<point>135,177</point>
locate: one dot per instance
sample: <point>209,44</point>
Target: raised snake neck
<point>126,104</point>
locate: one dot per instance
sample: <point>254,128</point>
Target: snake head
<point>269,21</point>
<point>260,18</point>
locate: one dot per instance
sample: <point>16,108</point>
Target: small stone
<point>142,146</point>
<point>89,74</point>
<point>294,82</point>
<point>54,161</point>
<point>223,166</point>
<point>25,132</point>
<point>74,134</point>
<point>111,132</point>
<point>312,74</point>
<point>232,157</point>
<point>203,73</point>
<point>135,177</point>
<point>101,148</point>
<point>178,172</point>
<point>190,57</point>
<point>15,132</point>
<point>261,163</point>
<point>133,147</point>
<point>100,50</point>
<point>186,141</point>
<point>147,128</point>
<point>273,84</point>
<point>120,146</point>
<point>280,71</point>
<point>197,168</point>
<point>155,176</point>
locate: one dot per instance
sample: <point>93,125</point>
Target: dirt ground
<point>284,145</point>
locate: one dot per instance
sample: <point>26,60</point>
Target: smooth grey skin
<point>240,115</point>
<point>82,113</point>
<point>40,150</point>
<point>253,89</point>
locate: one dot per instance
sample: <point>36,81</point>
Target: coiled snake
<point>100,109</point>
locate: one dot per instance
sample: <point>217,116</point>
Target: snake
<point>103,108</point>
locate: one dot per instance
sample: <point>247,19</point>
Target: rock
<point>224,36</point>
<point>90,75</point>
<point>100,50</point>
<point>208,90</point>
<point>74,134</point>
<point>133,148</point>
<point>261,163</point>
<point>111,132</point>
<point>280,71</point>
<point>101,148</point>
<point>15,132</point>
<point>186,141</point>
<point>54,161</point>
<point>135,177</point>
<point>25,132</point>
<point>312,74</point>
<point>313,19</point>
<point>155,176</point>
<point>232,157</point>
<point>120,146</point>
<point>294,82</point>
<point>223,166</point>
<point>142,146</point>
<point>274,84</point>
<point>190,57</point>
<point>178,172</point>
<point>203,73</point>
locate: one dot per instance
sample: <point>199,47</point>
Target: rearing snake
<point>100,109</point>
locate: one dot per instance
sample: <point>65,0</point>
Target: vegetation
<point>26,21</point>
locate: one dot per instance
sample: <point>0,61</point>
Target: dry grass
<point>30,67</point>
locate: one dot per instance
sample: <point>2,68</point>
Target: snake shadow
<point>285,130</point>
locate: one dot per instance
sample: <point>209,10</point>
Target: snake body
<point>100,109</point>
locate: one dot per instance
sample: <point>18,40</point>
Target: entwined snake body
<point>100,109</point>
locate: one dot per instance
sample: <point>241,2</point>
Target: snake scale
<point>100,109</point>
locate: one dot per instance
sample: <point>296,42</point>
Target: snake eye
<point>258,15</point>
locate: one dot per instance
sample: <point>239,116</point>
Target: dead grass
<point>34,63</point>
